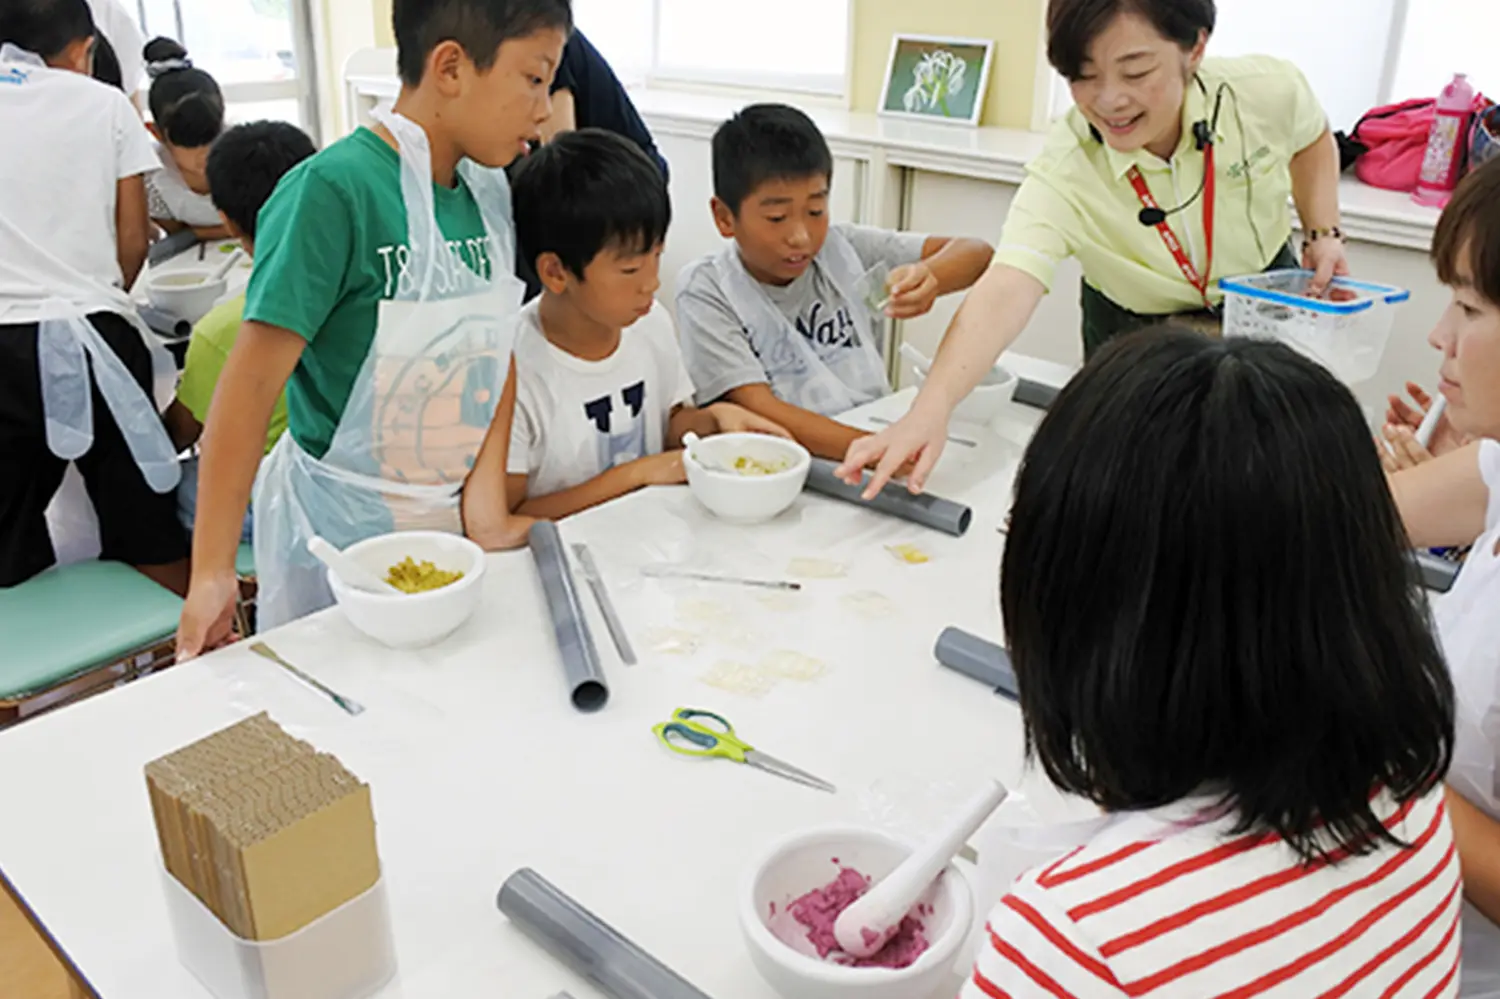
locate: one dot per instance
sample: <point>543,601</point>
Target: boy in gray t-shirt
<point>780,322</point>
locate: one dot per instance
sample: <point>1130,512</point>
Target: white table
<point>480,766</point>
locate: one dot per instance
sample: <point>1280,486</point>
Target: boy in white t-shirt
<point>73,233</point>
<point>602,396</point>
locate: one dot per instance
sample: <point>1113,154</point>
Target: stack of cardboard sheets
<point>266,831</point>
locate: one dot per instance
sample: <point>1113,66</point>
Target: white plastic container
<point>347,954</point>
<point>1346,330</point>
<point>989,400</point>
<point>185,295</point>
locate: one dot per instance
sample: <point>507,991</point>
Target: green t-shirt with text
<point>330,246</point>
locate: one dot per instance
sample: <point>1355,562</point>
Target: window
<point>1359,54</point>
<point>260,51</point>
<point>796,45</point>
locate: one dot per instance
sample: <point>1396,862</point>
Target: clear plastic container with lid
<point>1346,329</point>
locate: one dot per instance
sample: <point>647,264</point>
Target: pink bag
<point>1394,142</point>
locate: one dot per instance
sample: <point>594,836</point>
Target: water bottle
<point>1445,144</point>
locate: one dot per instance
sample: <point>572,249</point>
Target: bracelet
<point>1333,232</point>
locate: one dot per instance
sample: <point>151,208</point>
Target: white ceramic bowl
<point>805,861</point>
<point>413,620</point>
<point>987,402</point>
<point>747,499</point>
<point>186,295</point>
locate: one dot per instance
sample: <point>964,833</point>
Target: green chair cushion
<point>244,562</point>
<point>72,619</point>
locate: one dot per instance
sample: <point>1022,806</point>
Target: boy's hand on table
<point>732,419</point>
<point>913,289</point>
<point>665,469</point>
<point>208,615</point>
<point>1411,414</point>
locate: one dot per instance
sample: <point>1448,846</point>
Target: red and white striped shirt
<point>1160,905</point>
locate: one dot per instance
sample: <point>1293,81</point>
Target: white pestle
<point>691,441</point>
<point>1430,421</point>
<point>916,358</point>
<point>350,571</point>
<point>226,266</point>
<point>868,924</point>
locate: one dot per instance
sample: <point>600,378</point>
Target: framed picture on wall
<point>937,79</point>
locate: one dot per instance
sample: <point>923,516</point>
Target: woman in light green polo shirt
<point>1170,173</point>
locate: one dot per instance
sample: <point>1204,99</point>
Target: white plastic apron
<point>67,342</point>
<point>1474,660</point>
<point>799,375</point>
<point>420,407</point>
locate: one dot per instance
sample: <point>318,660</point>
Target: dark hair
<point>1470,226</point>
<point>479,26</point>
<point>1207,585</point>
<point>1073,25</point>
<point>186,103</point>
<point>586,191</point>
<point>45,27</point>
<point>766,142</point>
<point>248,162</point>
<point>107,64</point>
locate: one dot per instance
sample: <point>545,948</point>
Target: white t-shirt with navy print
<point>576,419</point>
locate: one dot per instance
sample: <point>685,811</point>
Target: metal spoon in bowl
<point>351,572</point>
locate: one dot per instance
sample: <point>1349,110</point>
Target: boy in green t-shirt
<point>246,164</point>
<point>332,251</point>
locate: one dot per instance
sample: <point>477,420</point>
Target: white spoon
<point>226,266</point>
<point>868,924</point>
<point>691,441</point>
<point>351,572</point>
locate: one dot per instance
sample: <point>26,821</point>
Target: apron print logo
<point>15,76</point>
<point>433,411</point>
<point>627,444</point>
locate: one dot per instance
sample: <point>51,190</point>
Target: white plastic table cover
<point>479,765</point>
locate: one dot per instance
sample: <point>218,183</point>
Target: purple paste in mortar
<point>819,909</point>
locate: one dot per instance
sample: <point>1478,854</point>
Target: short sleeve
<point>571,68</point>
<point>1036,237</point>
<point>133,153</point>
<point>1308,119</point>
<point>1489,468</point>
<point>304,244</point>
<point>1032,950</point>
<point>715,346</point>
<point>671,367</point>
<point>201,370</point>
<point>524,432</point>
<point>887,246</point>
<point>156,203</point>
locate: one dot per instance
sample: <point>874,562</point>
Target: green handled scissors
<point>705,734</point>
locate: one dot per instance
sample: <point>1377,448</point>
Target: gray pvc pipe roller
<point>895,501</point>
<point>977,659</point>
<point>166,249</point>
<point>575,643</point>
<point>1037,395</point>
<point>1437,573</point>
<point>587,944</point>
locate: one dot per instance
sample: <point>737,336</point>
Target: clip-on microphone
<point>1203,137</point>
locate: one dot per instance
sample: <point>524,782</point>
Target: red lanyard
<point>1174,245</point>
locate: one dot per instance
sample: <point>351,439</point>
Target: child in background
<point>73,234</point>
<point>776,323</point>
<point>244,168</point>
<point>187,115</point>
<point>602,397</point>
<point>388,323</point>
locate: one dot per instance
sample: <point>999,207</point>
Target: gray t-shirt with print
<point>723,353</point>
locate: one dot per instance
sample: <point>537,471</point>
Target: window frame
<point>303,88</point>
<point>1053,98</point>
<point>825,86</point>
